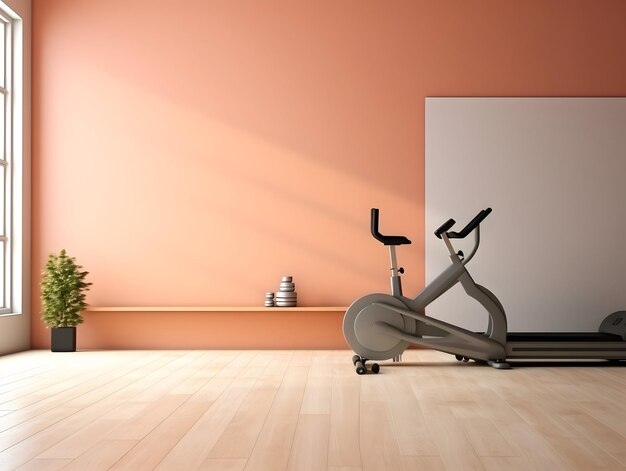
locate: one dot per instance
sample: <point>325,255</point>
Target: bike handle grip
<point>473,224</point>
<point>444,227</point>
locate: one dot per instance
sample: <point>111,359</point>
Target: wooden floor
<point>250,410</point>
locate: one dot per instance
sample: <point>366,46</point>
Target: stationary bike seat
<point>387,240</point>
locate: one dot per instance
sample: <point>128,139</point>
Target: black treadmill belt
<point>562,337</point>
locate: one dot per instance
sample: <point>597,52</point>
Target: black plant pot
<point>63,339</point>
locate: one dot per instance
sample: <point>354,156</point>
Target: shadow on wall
<point>198,211</point>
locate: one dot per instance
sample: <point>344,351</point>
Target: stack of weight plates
<point>269,299</point>
<point>286,295</point>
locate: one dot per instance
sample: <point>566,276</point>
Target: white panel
<point>554,172</point>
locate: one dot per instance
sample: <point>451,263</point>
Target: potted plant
<point>63,295</point>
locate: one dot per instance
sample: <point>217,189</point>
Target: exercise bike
<point>381,326</point>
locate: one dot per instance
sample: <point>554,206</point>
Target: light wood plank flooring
<point>301,410</point>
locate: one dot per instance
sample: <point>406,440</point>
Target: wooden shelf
<point>212,309</point>
<point>212,327</point>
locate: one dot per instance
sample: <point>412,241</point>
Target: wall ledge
<point>214,309</point>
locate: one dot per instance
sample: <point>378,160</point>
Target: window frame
<point>7,160</point>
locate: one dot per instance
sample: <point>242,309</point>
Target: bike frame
<point>453,274</point>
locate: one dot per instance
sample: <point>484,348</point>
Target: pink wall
<point>191,152</point>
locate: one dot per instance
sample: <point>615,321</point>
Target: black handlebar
<point>387,240</point>
<point>473,224</point>
<point>444,227</point>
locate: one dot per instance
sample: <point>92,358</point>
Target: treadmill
<point>606,344</point>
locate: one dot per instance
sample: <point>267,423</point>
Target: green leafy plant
<point>63,291</point>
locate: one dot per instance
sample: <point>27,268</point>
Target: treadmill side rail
<point>566,350</point>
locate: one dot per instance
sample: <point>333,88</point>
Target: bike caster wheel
<point>361,367</point>
<point>356,358</point>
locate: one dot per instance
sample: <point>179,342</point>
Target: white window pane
<point>3,152</point>
<point>3,191</point>
<point>2,273</point>
<point>3,52</point>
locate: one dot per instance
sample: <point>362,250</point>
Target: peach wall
<point>191,152</point>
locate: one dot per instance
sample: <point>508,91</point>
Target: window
<point>8,162</point>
